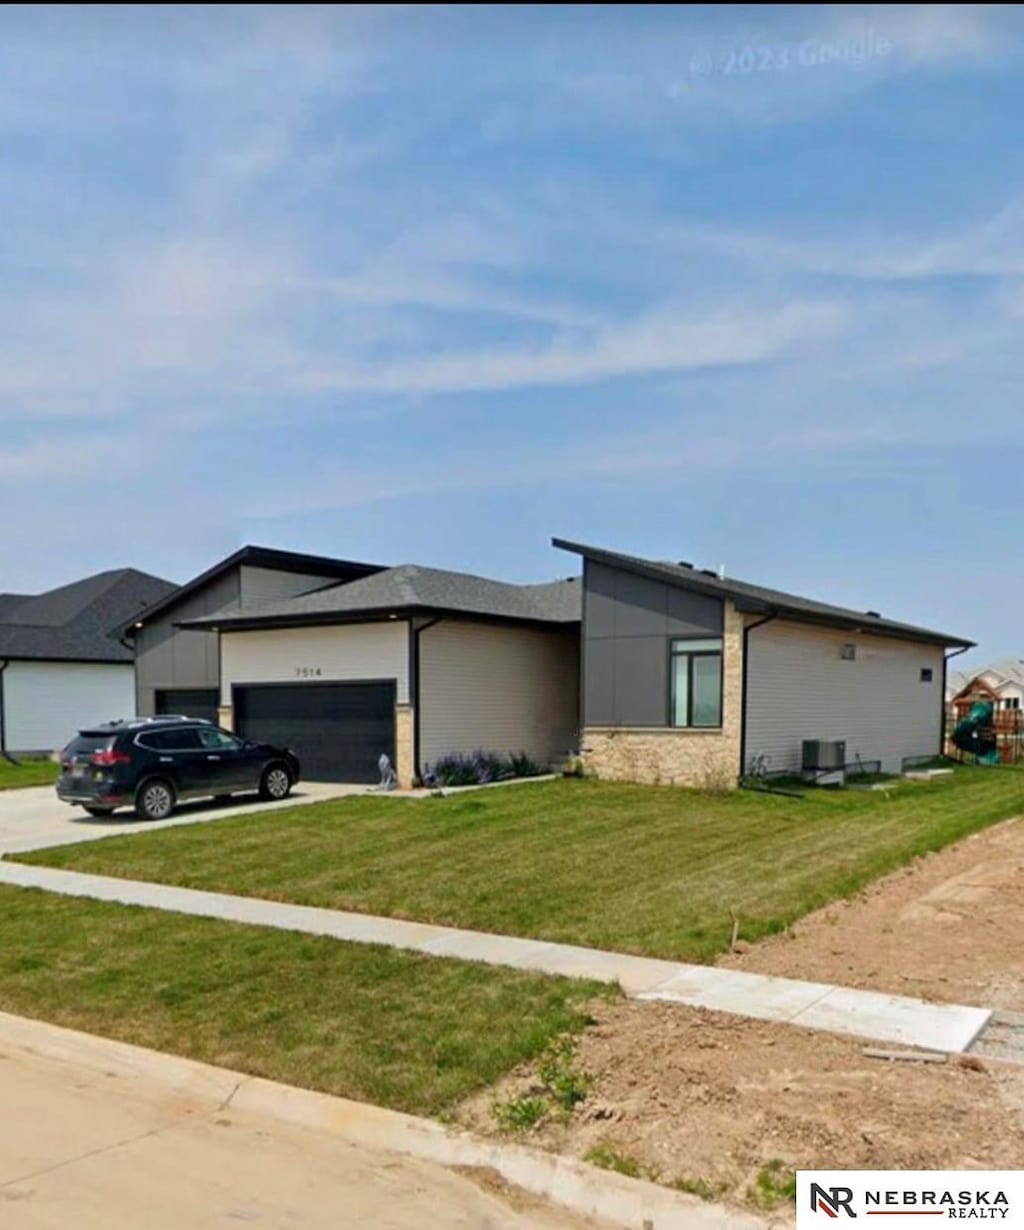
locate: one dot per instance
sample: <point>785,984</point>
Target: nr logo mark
<point>830,1200</point>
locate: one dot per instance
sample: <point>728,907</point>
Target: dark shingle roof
<point>758,598</point>
<point>80,622</point>
<point>8,602</point>
<point>411,587</point>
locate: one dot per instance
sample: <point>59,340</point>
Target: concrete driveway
<point>34,818</point>
<point>92,1149</point>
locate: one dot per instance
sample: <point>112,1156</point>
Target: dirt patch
<point>947,927</point>
<point>711,1101</point>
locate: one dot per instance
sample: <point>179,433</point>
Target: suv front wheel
<point>276,782</point>
<point>154,800</point>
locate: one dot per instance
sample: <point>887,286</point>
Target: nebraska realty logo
<point>963,1195</point>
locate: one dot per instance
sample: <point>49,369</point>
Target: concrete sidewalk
<point>813,1005</point>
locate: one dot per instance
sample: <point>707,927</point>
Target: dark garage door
<point>193,702</point>
<point>337,730</point>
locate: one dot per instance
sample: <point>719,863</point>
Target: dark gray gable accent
<point>629,623</point>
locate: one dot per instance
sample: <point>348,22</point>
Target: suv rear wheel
<point>276,782</point>
<point>154,799</point>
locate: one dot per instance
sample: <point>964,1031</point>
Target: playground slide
<point>974,734</point>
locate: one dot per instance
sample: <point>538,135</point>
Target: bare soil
<point>695,1096</point>
<point>947,927</point>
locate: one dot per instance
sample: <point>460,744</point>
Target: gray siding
<point>260,585</point>
<point>628,622</point>
<point>799,687</point>
<point>497,687</point>
<point>170,657</point>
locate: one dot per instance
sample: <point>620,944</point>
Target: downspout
<point>946,658</point>
<point>743,703</point>
<point>414,688</point>
<point>3,716</point>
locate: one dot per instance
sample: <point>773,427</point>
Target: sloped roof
<point>8,602</point>
<point>757,598</point>
<point>258,557</point>
<point>80,622</point>
<point>412,587</point>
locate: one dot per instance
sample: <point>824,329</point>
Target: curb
<point>629,1203</point>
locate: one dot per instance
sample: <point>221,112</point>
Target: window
<point>218,740</point>
<point>185,740</point>
<point>1011,702</point>
<point>848,652</point>
<point>697,683</point>
<point>926,674</point>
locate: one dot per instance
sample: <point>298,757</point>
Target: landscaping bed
<point>658,871</point>
<point>397,1029</point>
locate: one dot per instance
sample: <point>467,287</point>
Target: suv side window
<point>184,740</point>
<point>215,740</point>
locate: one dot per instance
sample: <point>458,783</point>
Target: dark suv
<point>152,763</point>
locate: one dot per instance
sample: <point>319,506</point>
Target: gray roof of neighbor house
<point>258,557</point>
<point>1010,670</point>
<point>759,599</point>
<point>411,587</point>
<point>80,622</point>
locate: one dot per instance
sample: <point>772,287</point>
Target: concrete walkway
<point>863,1014</point>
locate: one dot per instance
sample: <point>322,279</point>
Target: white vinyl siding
<point>262,585</point>
<point>500,688</point>
<point>317,655</point>
<point>45,703</point>
<point>799,687</point>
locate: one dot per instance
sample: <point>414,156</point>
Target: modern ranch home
<point>653,672</point>
<point>688,677</point>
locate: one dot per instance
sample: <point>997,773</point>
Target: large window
<point>697,683</point>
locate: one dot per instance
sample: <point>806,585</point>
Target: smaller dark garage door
<point>193,702</point>
<point>337,730</point>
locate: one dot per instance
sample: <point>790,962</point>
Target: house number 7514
<point>307,672</point>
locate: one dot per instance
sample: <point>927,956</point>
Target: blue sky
<point>734,285</point>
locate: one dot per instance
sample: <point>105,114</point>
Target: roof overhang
<point>748,604</point>
<point>253,623</point>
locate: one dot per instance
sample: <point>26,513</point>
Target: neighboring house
<point>412,662</point>
<point>1002,684</point>
<point>689,677</point>
<point>62,660</point>
<point>177,670</point>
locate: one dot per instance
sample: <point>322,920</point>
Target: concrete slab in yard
<point>894,1018</point>
<point>755,995</point>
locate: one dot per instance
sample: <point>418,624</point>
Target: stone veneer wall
<point>405,754</point>
<point>673,756</point>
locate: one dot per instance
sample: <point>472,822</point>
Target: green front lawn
<point>652,870</point>
<point>27,773</point>
<point>394,1028</point>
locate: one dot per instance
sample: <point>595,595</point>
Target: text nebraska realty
<point>977,1204</point>
<point>955,1204</point>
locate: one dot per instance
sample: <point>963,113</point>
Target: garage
<point>337,730</point>
<point>193,702</point>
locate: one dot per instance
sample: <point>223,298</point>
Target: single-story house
<point>63,662</point>
<point>177,670</point>
<point>690,677</point>
<point>411,662</point>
